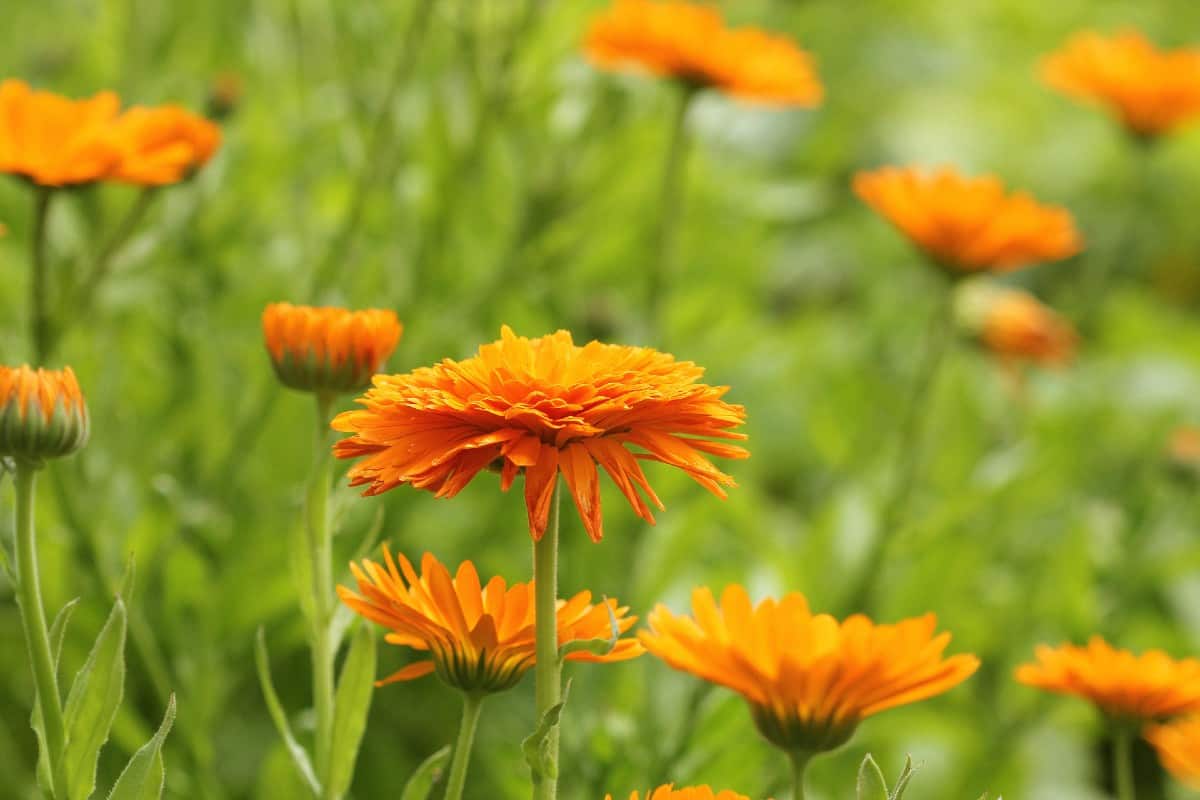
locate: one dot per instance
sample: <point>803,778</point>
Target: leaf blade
<point>144,776</point>
<point>352,704</point>
<point>279,717</point>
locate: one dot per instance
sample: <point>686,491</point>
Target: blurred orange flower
<point>1183,447</point>
<point>1178,746</point>
<point>163,145</point>
<point>969,224</point>
<point>690,42</point>
<point>480,638</point>
<point>543,406</point>
<point>1015,325</point>
<point>53,140</point>
<point>809,679</point>
<point>42,413</point>
<point>328,349</point>
<point>668,792</point>
<point>1122,685</point>
<point>1149,90</point>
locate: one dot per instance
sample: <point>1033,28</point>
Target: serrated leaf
<point>275,708</point>
<point>422,781</point>
<point>535,744</point>
<point>58,631</point>
<point>92,705</point>
<point>871,783</point>
<point>351,704</point>
<point>903,780</point>
<point>144,775</point>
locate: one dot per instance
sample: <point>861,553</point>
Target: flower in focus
<point>53,140</point>
<point>690,42</point>
<point>542,406</point>
<point>1149,90</point>
<point>162,145</point>
<point>668,792</point>
<point>1178,746</point>
<point>808,678</point>
<point>1015,325</point>
<point>480,638</point>
<point>969,224</point>
<point>1124,686</point>
<point>328,349</point>
<point>42,413</point>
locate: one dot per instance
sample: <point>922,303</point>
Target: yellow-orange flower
<point>42,413</point>
<point>1149,90</point>
<point>668,792</point>
<point>809,679</point>
<point>328,349</point>
<point>480,638</point>
<point>691,43</point>
<point>1178,746</point>
<point>1123,685</point>
<point>163,144</point>
<point>53,140</point>
<point>969,224</point>
<point>1015,325</point>
<point>542,406</point>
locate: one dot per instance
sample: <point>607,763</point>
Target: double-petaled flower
<point>330,350</point>
<point>42,414</point>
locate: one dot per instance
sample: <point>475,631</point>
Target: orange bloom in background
<point>1124,686</point>
<point>690,42</point>
<point>542,406</point>
<point>1014,325</point>
<point>1178,746</point>
<point>969,224</point>
<point>163,145</point>
<point>1183,448</point>
<point>53,140</point>
<point>42,413</point>
<point>809,679</point>
<point>1151,91</point>
<point>480,638</point>
<point>328,349</point>
<point>668,792</point>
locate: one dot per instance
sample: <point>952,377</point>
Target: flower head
<point>690,42</point>
<point>542,406</point>
<point>163,145</point>
<point>480,638</point>
<point>1015,325</point>
<point>968,224</point>
<point>328,349</point>
<point>668,792</point>
<point>56,141</point>
<point>1151,91</point>
<point>808,678</point>
<point>42,413</point>
<point>1122,685</point>
<point>1178,746</point>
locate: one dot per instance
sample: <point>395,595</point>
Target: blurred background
<point>460,162</point>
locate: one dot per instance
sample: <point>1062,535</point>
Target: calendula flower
<point>1015,325</point>
<point>542,406</point>
<point>809,679</point>
<point>53,140</point>
<point>42,413</point>
<point>668,792</point>
<point>479,638</point>
<point>1149,90</point>
<point>1124,686</point>
<point>328,349</point>
<point>1178,746</point>
<point>691,43</point>
<point>968,224</point>
<point>162,145</point>
<point>1183,447</point>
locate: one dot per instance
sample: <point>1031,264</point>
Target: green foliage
<point>426,775</point>
<point>299,755</point>
<point>535,745</point>
<point>354,690</point>
<point>144,776</point>
<point>92,705</point>
<point>872,785</point>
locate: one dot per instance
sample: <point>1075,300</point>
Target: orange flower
<point>1015,326</point>
<point>1119,683</point>
<point>1183,448</point>
<point>1150,91</point>
<point>969,224</point>
<point>42,413</point>
<point>1178,746</point>
<point>808,678</point>
<point>543,406</point>
<point>163,145</point>
<point>690,42</point>
<point>328,349</point>
<point>53,140</point>
<point>480,638</point>
<point>668,792</point>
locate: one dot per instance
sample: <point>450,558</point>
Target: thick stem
<point>1123,763</point>
<point>457,778</point>
<point>670,201</point>
<point>799,761</point>
<point>321,551</point>
<point>547,671</point>
<point>39,294</point>
<point>33,619</point>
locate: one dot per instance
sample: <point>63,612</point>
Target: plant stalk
<point>799,761</point>
<point>670,202</point>
<point>1123,763</point>
<point>39,293</point>
<point>321,551</point>
<point>457,777</point>
<point>547,670</point>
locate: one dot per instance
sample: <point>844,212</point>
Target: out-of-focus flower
<point>53,140</point>
<point>162,145</point>
<point>224,95</point>
<point>542,406</point>
<point>668,792</point>
<point>1183,448</point>
<point>328,349</point>
<point>809,679</point>
<point>691,43</point>
<point>1015,325</point>
<point>1124,686</point>
<point>969,224</point>
<point>480,638</point>
<point>1178,746</point>
<point>1151,91</point>
<point>42,413</point>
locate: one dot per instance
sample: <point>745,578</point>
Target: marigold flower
<point>53,140</point>
<point>480,638</point>
<point>690,42</point>
<point>1178,746</point>
<point>968,224</point>
<point>543,406</point>
<point>42,413</point>
<point>668,792</point>
<point>328,349</point>
<point>162,145</point>
<point>1123,685</point>
<point>1015,325</point>
<point>1149,90</point>
<point>809,679</point>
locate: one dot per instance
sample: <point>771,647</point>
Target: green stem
<point>799,761</point>
<point>102,264</point>
<point>669,207</point>
<point>39,300</point>
<point>457,778</point>
<point>321,551</point>
<point>33,619</point>
<point>547,671</point>
<point>1123,763</point>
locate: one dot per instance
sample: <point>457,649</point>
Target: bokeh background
<point>459,161</point>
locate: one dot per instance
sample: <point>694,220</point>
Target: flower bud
<point>328,350</point>
<point>42,414</point>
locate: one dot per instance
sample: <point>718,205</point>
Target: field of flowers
<point>886,441</point>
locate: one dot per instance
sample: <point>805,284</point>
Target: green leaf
<point>143,776</point>
<point>600,647</point>
<point>127,580</point>
<point>92,705</point>
<point>902,781</point>
<point>536,743</point>
<point>871,783</point>
<point>353,701</point>
<point>430,772</point>
<point>299,754</point>
<point>58,632</point>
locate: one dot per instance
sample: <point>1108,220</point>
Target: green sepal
<point>536,744</point>
<point>426,775</point>
<point>351,706</point>
<point>144,775</point>
<point>275,708</point>
<point>903,780</point>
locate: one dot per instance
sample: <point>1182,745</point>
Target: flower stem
<point>102,264</point>
<point>547,671</point>
<point>670,203</point>
<point>39,301</point>
<point>1123,763</point>
<point>33,619</point>
<point>321,551</point>
<point>457,778</point>
<point>799,760</point>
